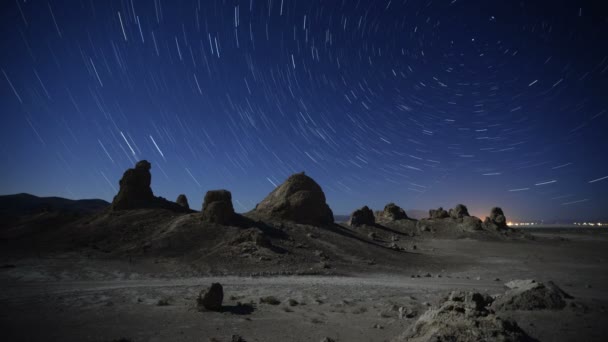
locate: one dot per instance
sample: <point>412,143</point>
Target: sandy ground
<point>75,299</point>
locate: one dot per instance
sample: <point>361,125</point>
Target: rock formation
<point>183,201</point>
<point>393,212</point>
<point>299,199</point>
<point>135,191</point>
<point>438,213</point>
<point>363,216</point>
<point>459,211</point>
<point>217,207</point>
<point>531,295</point>
<point>496,220</point>
<point>464,317</point>
<point>211,298</point>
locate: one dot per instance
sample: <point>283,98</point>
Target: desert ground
<point>71,297</point>
<point>147,269</point>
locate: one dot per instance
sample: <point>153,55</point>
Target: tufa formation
<point>183,201</point>
<point>460,211</point>
<point>363,216</point>
<point>135,191</point>
<point>299,199</point>
<point>393,212</point>
<point>217,207</point>
<point>438,213</point>
<point>497,219</point>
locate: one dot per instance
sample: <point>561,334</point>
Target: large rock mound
<point>363,216</point>
<point>460,211</point>
<point>464,317</point>
<point>496,220</point>
<point>299,199</point>
<point>392,212</point>
<point>217,207</point>
<point>438,213</point>
<point>531,295</point>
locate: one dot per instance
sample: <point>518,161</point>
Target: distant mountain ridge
<point>26,204</point>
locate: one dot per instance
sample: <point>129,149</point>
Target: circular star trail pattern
<point>423,103</point>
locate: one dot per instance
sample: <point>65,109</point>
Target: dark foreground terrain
<point>90,296</point>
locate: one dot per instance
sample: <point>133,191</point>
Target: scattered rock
<point>211,298</point>
<point>237,338</point>
<point>327,339</point>
<point>299,199</point>
<point>459,211</point>
<point>393,212</point>
<point>464,317</point>
<point>271,300</point>
<point>363,216</point>
<point>531,295</point>
<point>217,207</point>
<point>292,302</point>
<point>372,235</point>
<point>438,213</point>
<point>407,313</point>
<point>183,201</point>
<point>378,326</point>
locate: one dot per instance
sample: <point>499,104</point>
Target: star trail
<point>421,103</point>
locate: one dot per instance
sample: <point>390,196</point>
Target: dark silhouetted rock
<point>363,216</point>
<point>496,220</point>
<point>459,211</point>
<point>438,213</point>
<point>299,199</point>
<point>531,295</point>
<point>183,201</point>
<point>217,207</point>
<point>135,191</point>
<point>464,317</point>
<point>211,298</point>
<point>393,212</point>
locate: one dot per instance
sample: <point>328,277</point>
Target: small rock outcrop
<point>211,299</point>
<point>438,213</point>
<point>183,201</point>
<point>459,212</point>
<point>496,220</point>
<point>363,216</point>
<point>464,317</point>
<point>135,191</point>
<point>531,295</point>
<point>393,212</point>
<point>299,199</point>
<point>217,207</point>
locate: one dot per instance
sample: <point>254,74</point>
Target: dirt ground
<point>73,298</point>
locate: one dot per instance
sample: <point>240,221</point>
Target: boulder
<point>217,207</point>
<point>211,298</point>
<point>459,211</point>
<point>363,216</point>
<point>438,213</point>
<point>299,199</point>
<point>531,295</point>
<point>393,212</point>
<point>183,201</point>
<point>464,317</point>
<point>496,220</point>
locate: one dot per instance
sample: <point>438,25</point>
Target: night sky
<point>423,103</point>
